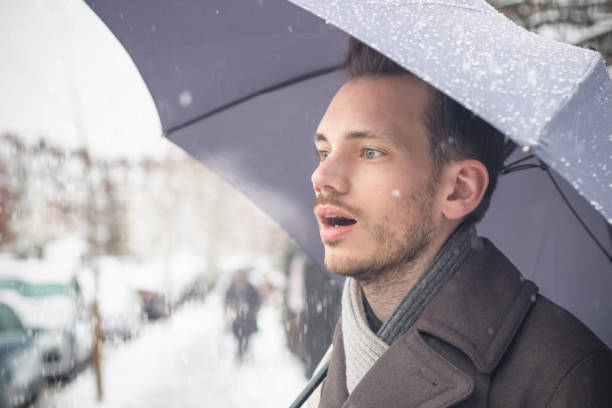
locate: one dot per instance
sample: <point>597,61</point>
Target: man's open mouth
<point>334,221</point>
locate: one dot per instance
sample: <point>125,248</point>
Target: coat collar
<point>478,311</point>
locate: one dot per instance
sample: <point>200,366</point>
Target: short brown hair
<point>454,132</point>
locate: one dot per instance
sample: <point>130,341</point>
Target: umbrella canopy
<point>218,60</point>
<point>241,85</point>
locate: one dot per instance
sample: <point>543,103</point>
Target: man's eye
<point>371,153</point>
<point>323,155</point>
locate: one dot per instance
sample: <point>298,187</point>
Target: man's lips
<point>333,222</point>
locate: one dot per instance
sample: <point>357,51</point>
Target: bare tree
<point>584,23</point>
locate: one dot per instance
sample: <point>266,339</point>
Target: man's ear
<point>466,182</point>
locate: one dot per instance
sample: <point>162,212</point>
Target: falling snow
<point>185,99</point>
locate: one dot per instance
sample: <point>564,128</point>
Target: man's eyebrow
<point>362,135</point>
<point>319,137</point>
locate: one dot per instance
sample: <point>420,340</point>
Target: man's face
<point>375,186</point>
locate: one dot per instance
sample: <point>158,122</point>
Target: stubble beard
<point>392,251</point>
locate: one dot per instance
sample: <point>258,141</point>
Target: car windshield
<point>37,290</point>
<point>8,319</point>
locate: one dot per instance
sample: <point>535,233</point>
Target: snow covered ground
<point>188,361</point>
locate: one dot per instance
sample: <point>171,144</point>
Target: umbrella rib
<point>272,88</point>
<point>509,165</point>
<point>514,166</point>
<point>512,169</point>
<point>545,168</point>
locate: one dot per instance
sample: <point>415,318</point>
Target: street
<point>188,361</point>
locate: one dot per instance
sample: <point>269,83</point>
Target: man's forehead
<point>383,108</point>
<point>384,87</point>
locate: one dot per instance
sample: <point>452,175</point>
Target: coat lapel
<point>334,391</point>
<point>411,374</point>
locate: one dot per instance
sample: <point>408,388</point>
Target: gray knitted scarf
<point>362,347</point>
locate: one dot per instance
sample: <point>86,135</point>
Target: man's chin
<point>342,264</point>
<point>344,257</point>
<point>331,243</point>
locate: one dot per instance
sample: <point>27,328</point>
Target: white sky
<point>64,76</point>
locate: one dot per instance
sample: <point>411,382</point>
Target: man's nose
<point>331,176</point>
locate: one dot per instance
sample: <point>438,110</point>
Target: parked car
<point>53,310</point>
<point>21,380</point>
<point>155,305</point>
<point>120,310</point>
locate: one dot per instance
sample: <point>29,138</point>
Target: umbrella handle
<point>311,386</point>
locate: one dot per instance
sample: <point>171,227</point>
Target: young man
<point>432,315</point>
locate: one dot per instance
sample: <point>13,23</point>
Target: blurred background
<point>123,262</point>
<point>147,248</point>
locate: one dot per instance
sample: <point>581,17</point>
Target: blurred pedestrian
<point>242,302</point>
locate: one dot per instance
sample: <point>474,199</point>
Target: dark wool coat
<point>487,339</point>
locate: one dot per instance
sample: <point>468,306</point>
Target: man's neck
<point>385,294</point>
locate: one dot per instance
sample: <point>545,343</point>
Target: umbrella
<point>241,85</point>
